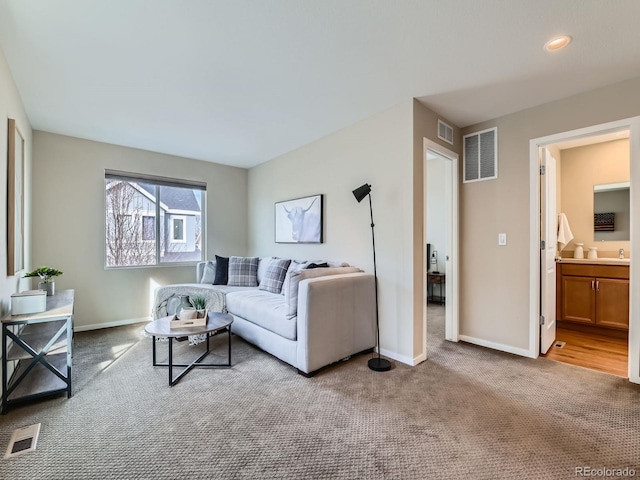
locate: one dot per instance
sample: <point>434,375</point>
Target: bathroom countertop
<point>597,261</point>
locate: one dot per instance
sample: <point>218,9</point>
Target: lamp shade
<point>362,192</point>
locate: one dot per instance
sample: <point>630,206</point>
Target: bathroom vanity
<point>593,293</point>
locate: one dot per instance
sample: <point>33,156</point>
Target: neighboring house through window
<point>178,230</point>
<point>148,227</point>
<point>152,220</point>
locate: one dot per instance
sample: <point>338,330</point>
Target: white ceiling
<point>240,82</point>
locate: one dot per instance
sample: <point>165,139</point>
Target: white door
<point>549,235</point>
<point>447,203</point>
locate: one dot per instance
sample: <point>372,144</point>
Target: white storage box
<point>29,301</point>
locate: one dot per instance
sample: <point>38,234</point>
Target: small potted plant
<point>46,275</point>
<point>199,302</point>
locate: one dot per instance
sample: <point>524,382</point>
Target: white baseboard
<point>403,358</point>
<point>117,323</point>
<point>496,346</point>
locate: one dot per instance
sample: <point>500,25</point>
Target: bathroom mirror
<point>611,206</point>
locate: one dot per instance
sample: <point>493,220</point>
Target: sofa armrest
<point>336,319</point>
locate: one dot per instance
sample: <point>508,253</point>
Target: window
<point>148,227</point>
<point>152,220</point>
<point>178,229</point>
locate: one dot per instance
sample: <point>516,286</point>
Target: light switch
<point>502,239</point>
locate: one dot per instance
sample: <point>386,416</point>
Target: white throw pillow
<point>209,273</point>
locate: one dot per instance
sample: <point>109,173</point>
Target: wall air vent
<point>445,132</point>
<point>480,155</point>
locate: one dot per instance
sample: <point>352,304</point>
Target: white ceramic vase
<point>579,251</point>
<point>593,253</point>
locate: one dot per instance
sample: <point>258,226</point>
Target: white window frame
<point>183,219</point>
<point>161,234</point>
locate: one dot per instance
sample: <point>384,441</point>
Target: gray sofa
<point>323,315</point>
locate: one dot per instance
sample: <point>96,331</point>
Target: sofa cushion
<point>274,277</point>
<point>222,270</point>
<point>264,309</point>
<point>296,276</point>
<point>228,288</point>
<point>209,273</point>
<point>243,272</point>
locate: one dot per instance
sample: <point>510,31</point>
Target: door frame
<point>452,283</point>
<point>633,125</point>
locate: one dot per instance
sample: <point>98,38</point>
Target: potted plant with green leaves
<point>46,275</point>
<point>199,302</point>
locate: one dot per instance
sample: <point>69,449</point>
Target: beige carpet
<point>467,412</point>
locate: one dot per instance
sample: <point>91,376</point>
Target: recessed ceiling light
<point>557,43</point>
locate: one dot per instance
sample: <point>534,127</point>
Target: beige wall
<point>582,168</point>
<point>68,222</point>
<point>495,286</point>
<point>385,150</point>
<point>375,151</point>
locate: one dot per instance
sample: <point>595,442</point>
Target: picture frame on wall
<point>300,220</point>
<point>15,199</point>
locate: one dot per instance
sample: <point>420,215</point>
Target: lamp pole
<point>377,364</point>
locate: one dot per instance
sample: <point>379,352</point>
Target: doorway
<point>575,340</point>
<point>576,172</point>
<point>440,267</point>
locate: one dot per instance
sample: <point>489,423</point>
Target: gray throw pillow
<point>209,273</point>
<point>243,271</point>
<point>274,277</point>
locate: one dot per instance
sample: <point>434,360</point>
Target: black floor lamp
<point>378,364</point>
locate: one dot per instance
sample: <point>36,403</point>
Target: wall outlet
<point>502,239</point>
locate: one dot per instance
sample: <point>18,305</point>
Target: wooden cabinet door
<point>578,300</point>
<point>612,303</point>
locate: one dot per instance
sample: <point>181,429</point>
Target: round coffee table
<point>217,322</point>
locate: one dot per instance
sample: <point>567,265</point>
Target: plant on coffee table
<point>199,302</point>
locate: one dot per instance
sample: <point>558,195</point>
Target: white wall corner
<point>412,362</point>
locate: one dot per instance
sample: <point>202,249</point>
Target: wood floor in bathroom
<point>588,350</point>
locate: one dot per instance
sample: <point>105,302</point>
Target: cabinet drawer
<point>605,271</point>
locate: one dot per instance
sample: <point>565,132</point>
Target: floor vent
<point>559,344</point>
<point>23,440</point>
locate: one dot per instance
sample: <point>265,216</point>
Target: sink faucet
<point>621,253</point>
